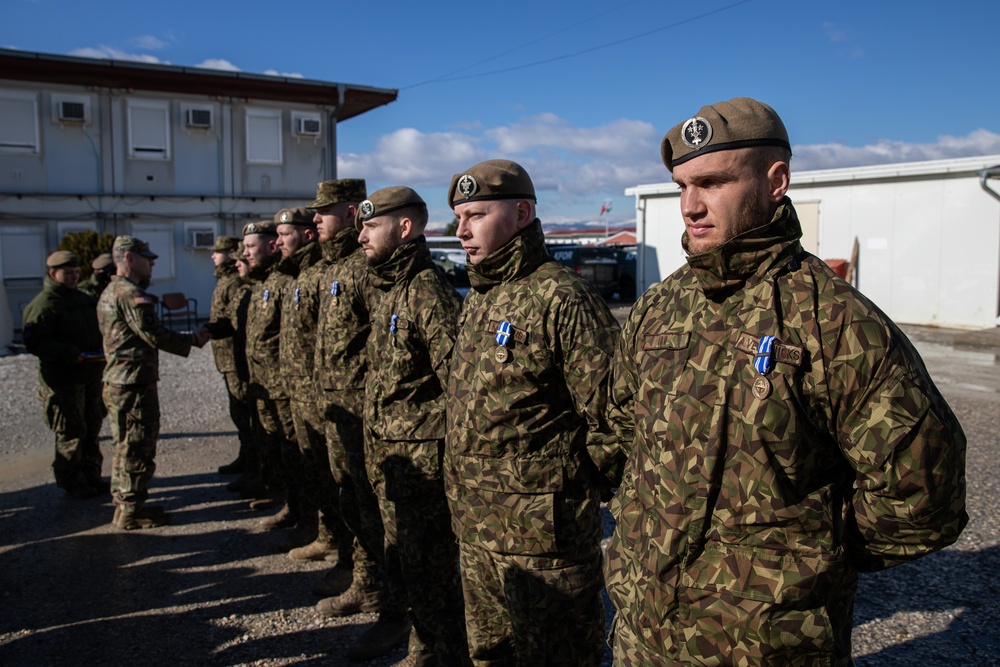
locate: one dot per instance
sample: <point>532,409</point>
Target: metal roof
<point>351,100</point>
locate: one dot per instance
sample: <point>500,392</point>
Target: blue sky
<point>855,82</point>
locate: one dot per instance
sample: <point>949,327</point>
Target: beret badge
<point>286,216</point>
<point>696,132</point>
<point>367,209</point>
<point>467,186</point>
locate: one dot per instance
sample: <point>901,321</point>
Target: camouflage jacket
<point>227,288</point>
<point>263,327</point>
<point>413,323</point>
<point>526,426</point>
<point>344,325</point>
<point>299,314</point>
<point>133,334</point>
<point>59,325</point>
<point>752,496</point>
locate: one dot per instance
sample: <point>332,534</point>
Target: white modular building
<point>927,234</point>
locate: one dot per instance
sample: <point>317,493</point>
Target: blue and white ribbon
<point>267,295</point>
<point>392,324</point>
<point>762,360</point>
<point>335,288</point>
<point>503,333</point>
<point>296,295</point>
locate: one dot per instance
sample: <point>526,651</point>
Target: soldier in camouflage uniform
<point>133,335</point>
<point>103,268</point>
<point>302,262</point>
<point>228,288</point>
<point>527,438</point>
<point>60,328</point>
<point>341,366</point>
<point>413,323</point>
<point>782,433</point>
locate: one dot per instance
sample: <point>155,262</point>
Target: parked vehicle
<point>598,265</point>
<point>455,270</point>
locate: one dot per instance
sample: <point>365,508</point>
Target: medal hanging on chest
<point>761,387</point>
<point>502,354</point>
<point>335,289</point>
<point>296,298</point>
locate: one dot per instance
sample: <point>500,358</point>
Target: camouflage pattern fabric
<point>59,325</point>
<point>531,610</point>
<point>750,500</point>
<point>228,288</point>
<point>413,323</point>
<point>528,440</point>
<point>94,286</point>
<point>134,415</point>
<point>133,334</point>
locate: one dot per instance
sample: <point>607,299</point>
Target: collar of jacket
<point>227,268</point>
<point>724,269</point>
<point>50,285</point>
<point>406,261</point>
<point>263,271</point>
<point>343,244</point>
<point>302,258</point>
<point>518,257</point>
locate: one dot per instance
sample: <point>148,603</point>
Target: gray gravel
<point>210,590</point>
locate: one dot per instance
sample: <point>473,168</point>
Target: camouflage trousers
<point>239,412</point>
<point>420,545</point>
<point>134,415</point>
<point>280,463</point>
<point>75,413</point>
<point>358,504</point>
<point>532,610</point>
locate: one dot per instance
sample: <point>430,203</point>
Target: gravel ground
<point>210,590</point>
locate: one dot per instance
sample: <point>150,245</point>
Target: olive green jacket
<point>60,325</point>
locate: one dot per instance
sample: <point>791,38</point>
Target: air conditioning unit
<point>72,110</point>
<point>309,127</point>
<point>200,118</point>
<point>201,238</point>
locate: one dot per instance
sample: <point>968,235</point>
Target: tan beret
<point>737,123</point>
<point>102,262</point>
<point>265,227</point>
<point>132,244</point>
<point>301,217</point>
<point>225,244</point>
<point>386,201</point>
<point>61,258</point>
<point>493,179</point>
<point>328,193</point>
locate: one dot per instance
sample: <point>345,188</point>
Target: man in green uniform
<point>527,455</point>
<point>133,335</point>
<point>782,433</point>
<point>341,365</point>
<point>103,268</point>
<point>60,328</point>
<point>413,321</point>
<point>320,526</point>
<point>228,288</point>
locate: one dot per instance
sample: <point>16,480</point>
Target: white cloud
<point>833,33</point>
<point>411,157</point>
<point>219,64</point>
<point>112,53</point>
<point>617,139</point>
<point>289,75</point>
<point>886,151</point>
<point>148,43</point>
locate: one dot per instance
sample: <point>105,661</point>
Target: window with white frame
<point>22,252</point>
<point>18,122</point>
<point>149,129</point>
<point>160,237</point>
<point>263,136</point>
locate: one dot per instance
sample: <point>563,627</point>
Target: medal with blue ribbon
<point>296,297</point>
<point>762,363</point>
<point>504,330</point>
<point>267,295</point>
<point>392,324</point>
<point>335,288</point>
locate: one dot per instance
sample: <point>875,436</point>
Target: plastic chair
<point>176,306</point>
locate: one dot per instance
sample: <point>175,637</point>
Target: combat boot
<point>333,583</point>
<point>139,518</point>
<point>305,532</point>
<point>387,633</point>
<point>418,660</point>
<point>352,601</point>
<point>318,549</point>
<point>235,468</point>
<point>285,518</point>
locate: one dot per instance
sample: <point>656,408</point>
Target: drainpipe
<point>985,175</point>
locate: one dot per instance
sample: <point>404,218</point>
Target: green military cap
<point>265,227</point>
<point>737,123</point>
<point>225,244</point>
<point>386,201</point>
<point>302,217</point>
<point>493,179</point>
<point>132,244</point>
<point>61,258</point>
<point>103,261</point>
<point>328,193</point>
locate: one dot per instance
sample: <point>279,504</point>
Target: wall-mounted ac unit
<point>200,118</point>
<point>74,111</point>
<point>201,238</point>
<point>308,127</point>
